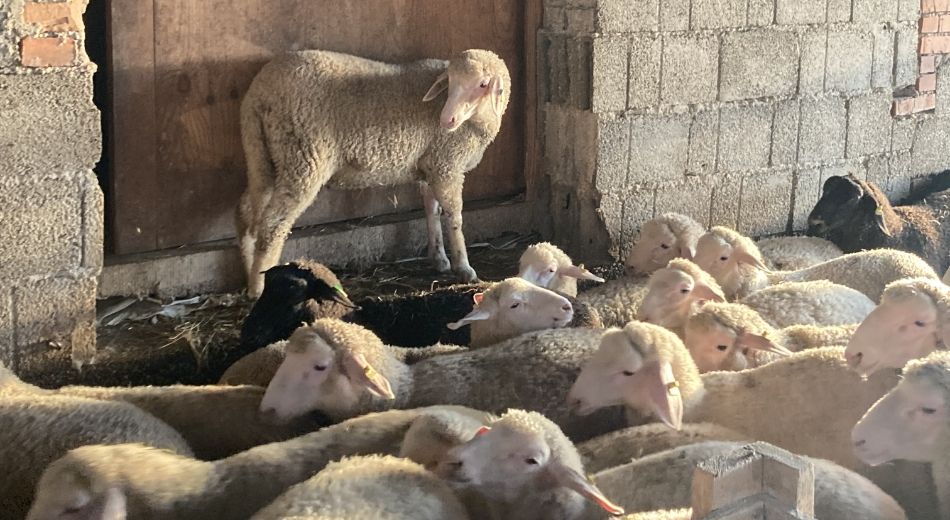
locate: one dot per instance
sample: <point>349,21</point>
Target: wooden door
<point>181,67</point>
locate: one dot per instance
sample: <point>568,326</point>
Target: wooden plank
<point>534,12</point>
<point>134,170</point>
<point>206,54</point>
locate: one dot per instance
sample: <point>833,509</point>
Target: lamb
<point>677,291</point>
<point>856,215</point>
<point>911,423</point>
<point>310,95</point>
<point>547,265</point>
<point>379,487</point>
<point>663,481</point>
<point>733,336</point>
<point>37,429</point>
<point>737,265</point>
<point>821,398</point>
<point>157,484</point>
<point>616,301</point>
<point>342,371</point>
<point>526,468</point>
<point>912,320</point>
<point>673,235</point>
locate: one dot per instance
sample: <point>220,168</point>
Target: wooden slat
<point>206,54</point>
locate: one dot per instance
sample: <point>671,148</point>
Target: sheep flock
<point>531,397</point>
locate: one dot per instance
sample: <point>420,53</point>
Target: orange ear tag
<point>478,297</point>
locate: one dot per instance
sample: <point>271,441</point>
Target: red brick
<point>54,17</point>
<point>925,102</point>
<point>935,44</point>
<point>928,64</point>
<point>945,23</point>
<point>927,83</point>
<point>929,24</point>
<point>928,6</point>
<point>903,107</point>
<point>48,52</point>
<point>941,6</point>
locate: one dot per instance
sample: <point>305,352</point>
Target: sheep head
<point>673,291</point>
<point>519,306</point>
<point>546,265</point>
<point>659,242</point>
<point>726,336</point>
<point>849,203</point>
<point>477,84</point>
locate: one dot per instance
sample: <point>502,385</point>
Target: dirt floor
<point>193,341</point>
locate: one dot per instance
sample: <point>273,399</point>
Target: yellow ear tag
<point>672,387</point>
<point>878,211</point>
<point>369,371</point>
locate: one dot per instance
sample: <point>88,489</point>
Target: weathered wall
<point>50,202</point>
<point>733,111</point>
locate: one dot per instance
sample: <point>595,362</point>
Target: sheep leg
<point>448,192</point>
<point>260,167</point>
<point>434,228</point>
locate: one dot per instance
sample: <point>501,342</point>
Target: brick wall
<point>51,230</point>
<point>733,111</point>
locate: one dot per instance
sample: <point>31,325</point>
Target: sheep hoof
<point>441,263</point>
<point>466,274</point>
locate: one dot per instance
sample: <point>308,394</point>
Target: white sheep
<point>352,373</point>
<point>160,485</point>
<point>805,403</point>
<point>912,422</point>
<point>548,266</point>
<point>315,118</point>
<point>616,301</point>
<point>676,291</point>
<point>369,487</point>
<point>912,320</point>
<point>674,235</point>
<point>733,336</point>
<point>662,481</point>
<point>36,430</point>
<point>738,266</point>
<point>526,468</point>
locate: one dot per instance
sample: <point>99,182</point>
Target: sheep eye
<point>628,372</point>
<point>550,270</point>
<point>928,411</point>
<point>722,348</point>
<point>532,461</point>
<point>515,305</point>
<point>664,246</point>
<point>484,84</point>
<point>319,368</point>
<point>919,323</point>
<point>684,291</point>
<point>724,258</point>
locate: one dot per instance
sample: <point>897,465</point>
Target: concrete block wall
<point>52,207</point>
<point>732,111</point>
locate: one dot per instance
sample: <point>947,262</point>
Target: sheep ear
<point>482,430</point>
<point>687,251</point>
<point>573,479</point>
<point>362,373</point>
<point>496,87</point>
<point>478,297</point>
<point>579,272</point>
<point>441,83</point>
<point>476,315</point>
<point>870,203</point>
<point>663,393</point>
<point>704,292</point>
<point>744,257</point>
<point>763,343</point>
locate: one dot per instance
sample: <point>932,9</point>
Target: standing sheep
<point>856,215</point>
<point>315,118</point>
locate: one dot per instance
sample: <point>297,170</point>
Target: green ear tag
<point>339,289</point>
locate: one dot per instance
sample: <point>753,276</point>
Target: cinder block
<point>807,192</point>
<point>93,211</point>
<point>580,21</point>
<point>580,67</point>
<point>877,172</point>
<point>943,86</point>
<point>766,203</point>
<point>908,10</point>
<point>658,147</point>
<point>745,136</point>
<point>7,347</point>
<point>814,46</point>
<point>839,11</point>
<point>761,12</point>
<point>555,18</point>
<point>785,134</point>
<point>645,56</point>
<point>557,67</point>
<point>613,151</point>
<point>638,207</point>
<point>48,122</point>
<point>874,10</point>
<point>585,145</point>
<point>901,174</point>
<point>905,68</point>
<point>882,73</point>
<point>626,16</point>
<point>610,214</point>
<point>849,61</point>
<point>799,12</point>
<point>758,63</point>
<point>823,129</point>
<point>724,210</point>
<point>703,142</point>
<point>691,198</point>
<point>930,148</point>
<point>869,124</point>
<point>42,225</point>
<point>50,310</point>
<point>674,15</point>
<point>610,74</point>
<point>556,152</point>
<point>690,69</point>
<point>716,14</point>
